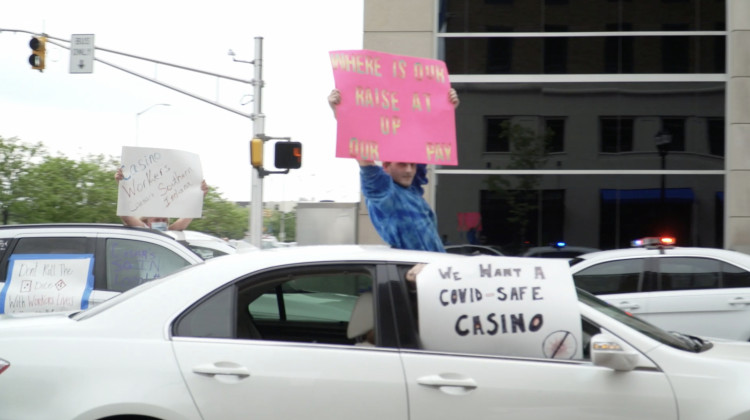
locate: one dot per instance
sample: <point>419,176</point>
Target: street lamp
<point>137,117</point>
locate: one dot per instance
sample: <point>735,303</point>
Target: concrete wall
<point>737,226</point>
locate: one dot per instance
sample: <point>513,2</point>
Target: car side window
<point>733,276</point>
<point>55,246</point>
<point>46,245</point>
<point>320,304</point>
<point>130,263</point>
<point>686,273</point>
<point>309,306</point>
<point>620,276</point>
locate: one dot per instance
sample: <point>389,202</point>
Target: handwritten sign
<point>160,183</point>
<point>393,108</point>
<point>47,283</point>
<point>500,305</point>
<point>130,263</point>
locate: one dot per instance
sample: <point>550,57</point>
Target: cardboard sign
<point>507,306</point>
<point>394,108</point>
<point>47,283</point>
<point>160,183</point>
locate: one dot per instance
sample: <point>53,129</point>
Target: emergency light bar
<point>653,241</point>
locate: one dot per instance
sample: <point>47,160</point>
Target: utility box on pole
<point>326,223</point>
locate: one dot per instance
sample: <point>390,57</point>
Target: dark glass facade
<point>596,146</point>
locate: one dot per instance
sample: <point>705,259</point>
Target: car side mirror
<point>611,352</point>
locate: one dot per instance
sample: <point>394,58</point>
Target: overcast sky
<point>80,114</point>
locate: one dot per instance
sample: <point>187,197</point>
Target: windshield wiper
<point>697,344</point>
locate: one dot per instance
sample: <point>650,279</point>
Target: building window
<point>499,52</point>
<point>555,51</point>
<point>616,134</point>
<point>675,127</point>
<point>675,50</point>
<point>715,136</point>
<point>497,138</point>
<point>555,134</point>
<point>618,50</point>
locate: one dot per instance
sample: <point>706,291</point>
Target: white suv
<point>59,267</point>
<point>698,291</point>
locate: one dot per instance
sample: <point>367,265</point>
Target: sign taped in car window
<point>500,306</point>
<point>47,283</point>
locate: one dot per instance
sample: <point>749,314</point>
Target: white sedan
<point>194,345</point>
<point>698,291</point>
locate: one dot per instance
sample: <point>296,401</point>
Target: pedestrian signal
<point>288,155</point>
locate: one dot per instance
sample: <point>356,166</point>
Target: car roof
<point>538,249</point>
<point>735,257</point>
<point>80,227</point>
<point>490,248</point>
<point>195,238</point>
<point>188,235</point>
<point>185,285</point>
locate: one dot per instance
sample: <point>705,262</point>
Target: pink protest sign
<point>394,108</point>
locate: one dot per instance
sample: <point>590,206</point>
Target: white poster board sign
<point>160,183</point>
<point>47,283</point>
<point>508,306</point>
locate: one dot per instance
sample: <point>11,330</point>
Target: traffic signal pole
<point>256,207</point>
<point>256,193</point>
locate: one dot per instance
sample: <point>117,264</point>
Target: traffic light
<point>256,152</point>
<point>38,51</point>
<point>288,155</point>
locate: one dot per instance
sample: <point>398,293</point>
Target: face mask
<point>162,226</point>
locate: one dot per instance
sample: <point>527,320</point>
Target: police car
<point>699,291</point>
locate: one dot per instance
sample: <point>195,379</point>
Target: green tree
<point>16,158</point>
<point>528,151</point>
<point>38,188</point>
<point>60,190</point>
<point>221,218</point>
<point>273,222</point>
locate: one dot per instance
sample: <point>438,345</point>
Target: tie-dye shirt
<point>401,216</point>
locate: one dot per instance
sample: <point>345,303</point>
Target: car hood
<point>729,350</point>
<point>27,320</point>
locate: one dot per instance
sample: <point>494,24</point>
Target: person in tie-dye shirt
<point>394,197</point>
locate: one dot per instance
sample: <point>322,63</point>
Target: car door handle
<point>628,306</point>
<point>739,300</point>
<point>222,368</point>
<point>450,384</point>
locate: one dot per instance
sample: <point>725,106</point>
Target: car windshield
<point>672,339</point>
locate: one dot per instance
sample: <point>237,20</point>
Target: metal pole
<point>256,203</point>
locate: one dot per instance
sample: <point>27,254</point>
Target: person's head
<point>402,172</point>
<point>158,223</point>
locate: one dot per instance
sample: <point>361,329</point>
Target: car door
<point>278,346</point>
<point>490,387</point>
<point>701,296</point>
<point>484,386</point>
